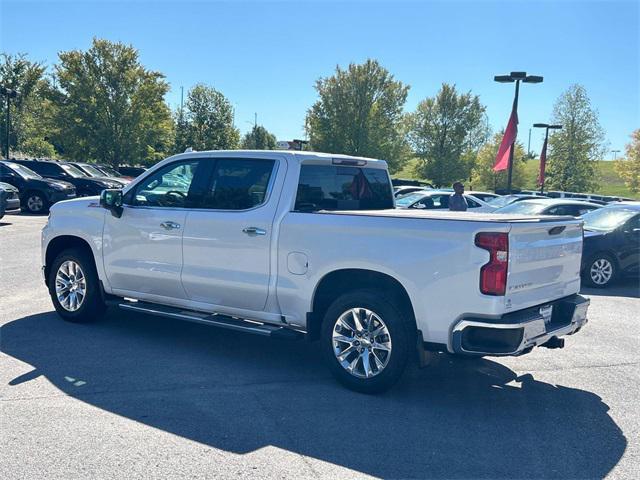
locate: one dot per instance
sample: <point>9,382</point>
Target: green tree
<point>629,168</point>
<point>259,138</point>
<point>575,150</point>
<point>31,111</point>
<point>446,132</point>
<point>359,112</point>
<point>208,121</point>
<point>483,176</point>
<point>112,107</point>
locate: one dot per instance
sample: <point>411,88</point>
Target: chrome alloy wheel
<point>71,286</point>
<point>361,342</point>
<point>601,271</point>
<point>35,203</point>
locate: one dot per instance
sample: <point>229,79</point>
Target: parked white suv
<point>306,244</point>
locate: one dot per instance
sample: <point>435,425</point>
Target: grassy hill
<point>610,182</point>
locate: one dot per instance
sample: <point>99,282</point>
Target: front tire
<point>74,287</point>
<point>36,202</point>
<point>600,271</point>
<point>365,341</point>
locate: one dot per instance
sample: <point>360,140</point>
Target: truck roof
<point>294,155</point>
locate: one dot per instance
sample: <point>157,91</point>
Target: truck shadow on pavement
<point>239,393</point>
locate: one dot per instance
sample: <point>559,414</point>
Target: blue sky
<point>266,56</point>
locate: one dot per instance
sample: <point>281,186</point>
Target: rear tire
<point>601,271</point>
<point>74,287</point>
<point>369,354</point>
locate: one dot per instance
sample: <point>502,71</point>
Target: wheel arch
<point>61,243</point>
<point>345,280</point>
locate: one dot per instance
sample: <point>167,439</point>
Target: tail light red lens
<point>493,274</point>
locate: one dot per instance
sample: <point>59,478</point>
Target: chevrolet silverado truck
<point>309,245</point>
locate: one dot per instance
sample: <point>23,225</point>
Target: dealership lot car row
<point>42,183</point>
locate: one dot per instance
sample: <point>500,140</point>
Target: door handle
<point>170,225</point>
<point>253,231</point>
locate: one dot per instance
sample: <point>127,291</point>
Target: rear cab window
<point>335,187</point>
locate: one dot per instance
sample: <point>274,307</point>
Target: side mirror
<point>111,199</point>
<point>419,206</point>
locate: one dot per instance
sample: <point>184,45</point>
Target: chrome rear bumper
<point>518,332</point>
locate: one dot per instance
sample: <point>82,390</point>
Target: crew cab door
<point>142,250</point>
<point>227,240</point>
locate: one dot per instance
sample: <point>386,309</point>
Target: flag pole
<point>513,145</point>
<point>546,138</point>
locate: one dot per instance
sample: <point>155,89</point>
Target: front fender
<point>80,218</point>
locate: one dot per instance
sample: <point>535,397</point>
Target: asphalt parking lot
<point>142,397</point>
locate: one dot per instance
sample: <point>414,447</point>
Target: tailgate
<point>544,262</point>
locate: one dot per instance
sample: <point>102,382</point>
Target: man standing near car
<point>457,203</point>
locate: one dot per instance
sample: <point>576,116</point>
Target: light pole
<point>543,154</point>
<point>516,77</point>
<point>615,154</point>
<point>9,93</point>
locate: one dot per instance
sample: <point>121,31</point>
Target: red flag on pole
<point>510,134</point>
<point>543,163</point>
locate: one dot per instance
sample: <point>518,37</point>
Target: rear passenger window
<point>238,184</point>
<point>330,187</point>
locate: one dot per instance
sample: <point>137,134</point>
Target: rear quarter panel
<point>435,261</point>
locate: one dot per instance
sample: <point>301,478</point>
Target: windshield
<point>606,219</point>
<point>407,200</point>
<point>93,171</point>
<point>524,208</point>
<point>73,171</point>
<point>23,171</point>
<point>109,171</point>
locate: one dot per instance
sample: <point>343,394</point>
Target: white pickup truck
<point>309,245</point>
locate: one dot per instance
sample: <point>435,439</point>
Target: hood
<point>76,204</point>
<point>102,182</point>
<point>111,181</point>
<point>7,187</point>
<point>59,183</point>
<point>593,233</point>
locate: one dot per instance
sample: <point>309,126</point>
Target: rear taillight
<point>493,274</point>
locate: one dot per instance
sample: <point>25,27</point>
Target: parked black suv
<point>85,185</point>
<point>95,172</point>
<point>37,194</point>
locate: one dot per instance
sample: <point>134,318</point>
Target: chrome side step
<point>216,320</point>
